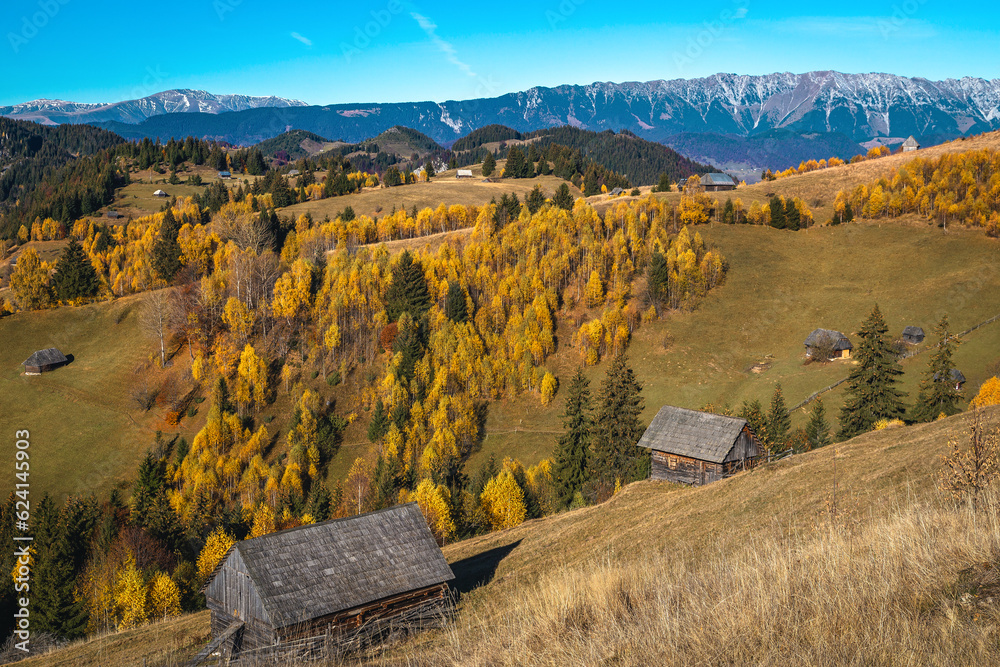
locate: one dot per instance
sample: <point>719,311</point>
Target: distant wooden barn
<point>957,378</point>
<point>160,193</point>
<point>463,173</point>
<point>44,361</point>
<point>322,584</point>
<point>910,144</point>
<point>913,335</point>
<point>697,448</point>
<point>717,182</point>
<point>823,342</point>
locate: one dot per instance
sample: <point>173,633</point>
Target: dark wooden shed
<point>823,342</point>
<point>697,448</point>
<point>322,584</point>
<point>717,182</point>
<point>44,361</point>
<point>913,335</point>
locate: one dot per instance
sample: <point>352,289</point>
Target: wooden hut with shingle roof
<point>44,361</point>
<point>693,447</point>
<point>325,582</point>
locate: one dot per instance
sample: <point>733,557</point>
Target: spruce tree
<point>535,199</point>
<point>379,424</point>
<point>818,429</point>
<point>489,165</point>
<point>938,394</point>
<point>777,212</point>
<point>408,291</point>
<point>664,185</point>
<point>872,393</point>
<point>570,470</point>
<point>455,307</point>
<point>563,199</point>
<point>778,422</point>
<point>517,164</point>
<point>753,412</point>
<point>166,249</point>
<point>75,277</point>
<point>614,456</point>
<point>429,168</point>
<point>792,216</point>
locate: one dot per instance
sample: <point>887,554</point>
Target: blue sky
<point>393,51</point>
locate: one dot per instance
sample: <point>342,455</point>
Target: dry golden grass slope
<point>755,569</point>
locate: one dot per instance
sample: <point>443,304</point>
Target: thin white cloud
<point>446,48</point>
<point>304,40</point>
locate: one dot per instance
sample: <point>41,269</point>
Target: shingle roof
<point>698,435</point>
<point>717,179</point>
<point>45,358</point>
<point>839,340</point>
<point>311,571</point>
<point>911,143</point>
<point>955,374</point>
<point>913,331</point>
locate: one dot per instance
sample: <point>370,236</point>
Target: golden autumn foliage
<point>217,545</point>
<point>131,596</point>
<point>503,501</point>
<point>989,394</point>
<point>435,504</point>
<point>164,597</point>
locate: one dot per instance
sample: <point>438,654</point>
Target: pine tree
<point>778,422</point>
<point>614,455</point>
<point>379,425</point>
<point>489,165</point>
<point>753,413</point>
<point>570,470</point>
<point>938,394</point>
<point>792,217</point>
<point>818,429</point>
<point>455,307</point>
<point>664,185</point>
<point>166,249</point>
<point>408,291</point>
<point>517,165</point>
<point>429,169</point>
<point>872,394</point>
<point>777,212</point>
<point>535,199</point>
<point>75,276</point>
<point>563,199</point>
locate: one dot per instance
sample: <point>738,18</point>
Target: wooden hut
<point>911,144</point>
<point>913,335</point>
<point>697,448</point>
<point>828,343</point>
<point>304,588</point>
<point>957,377</point>
<point>44,361</point>
<point>717,182</point>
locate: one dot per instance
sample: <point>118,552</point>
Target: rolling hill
<point>844,554</point>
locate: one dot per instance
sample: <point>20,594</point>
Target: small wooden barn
<point>913,335</point>
<point>319,585</point>
<point>463,173</point>
<point>160,193</point>
<point>957,377</point>
<point>717,182</point>
<point>827,342</point>
<point>44,361</point>
<point>910,144</point>
<point>697,448</point>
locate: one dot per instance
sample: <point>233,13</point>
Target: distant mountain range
<point>53,112</point>
<point>729,109</point>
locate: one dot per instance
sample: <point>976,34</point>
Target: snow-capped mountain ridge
<point>136,111</point>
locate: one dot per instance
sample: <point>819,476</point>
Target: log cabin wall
<point>685,470</point>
